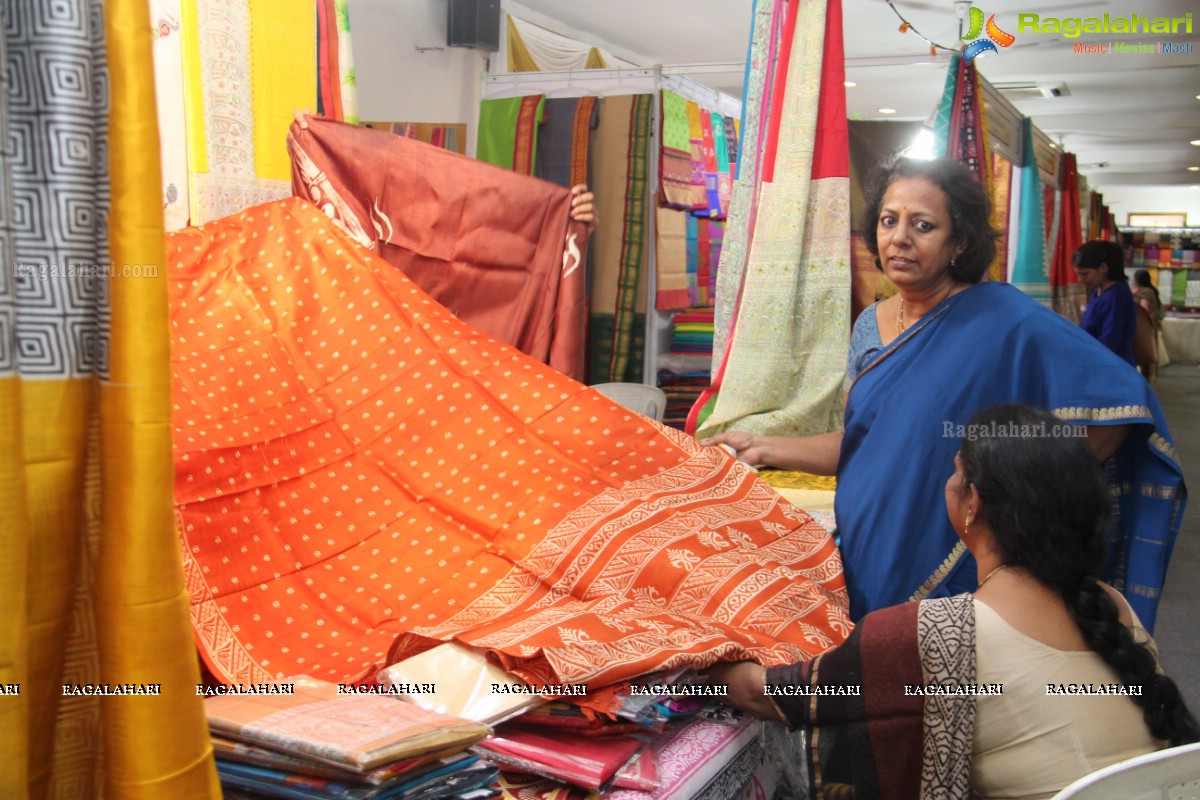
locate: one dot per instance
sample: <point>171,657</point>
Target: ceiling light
<point>852,83</point>
<point>1193,169</point>
<point>1196,142</point>
<point>893,111</point>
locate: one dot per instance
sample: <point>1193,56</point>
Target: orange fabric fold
<point>360,475</point>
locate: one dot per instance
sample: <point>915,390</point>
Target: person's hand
<point>583,208</point>
<point>746,447</point>
<point>302,116</point>
<point>745,680</point>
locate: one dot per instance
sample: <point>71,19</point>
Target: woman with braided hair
<point>1041,676</point>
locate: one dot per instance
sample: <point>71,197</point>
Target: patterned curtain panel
<point>785,357</point>
<point>246,67</point>
<point>92,576</point>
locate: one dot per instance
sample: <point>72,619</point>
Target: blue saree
<point>988,345</point>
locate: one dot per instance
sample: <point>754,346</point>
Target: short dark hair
<point>970,210</point>
<point>1098,252</point>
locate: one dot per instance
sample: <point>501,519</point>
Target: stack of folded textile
<point>656,741</point>
<point>324,741</point>
<point>685,372</point>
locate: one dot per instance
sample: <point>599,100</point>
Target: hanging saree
<point>247,67</point>
<point>91,576</point>
<point>897,543</point>
<point>493,261</point>
<point>621,176</point>
<point>1029,265</point>
<point>1067,296</point>
<point>784,364</point>
<point>360,475</point>
<point>743,201</point>
<point>883,742</point>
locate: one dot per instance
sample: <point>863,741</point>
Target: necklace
<point>988,577</point>
<point>900,313</point>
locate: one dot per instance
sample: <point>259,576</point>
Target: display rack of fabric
<point>608,138</point>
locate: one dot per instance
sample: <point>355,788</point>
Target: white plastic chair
<point>649,401</point>
<point>1172,774</point>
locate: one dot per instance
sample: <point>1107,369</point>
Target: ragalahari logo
<point>995,36</point>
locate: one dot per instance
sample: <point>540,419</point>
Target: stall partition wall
<point>611,83</point>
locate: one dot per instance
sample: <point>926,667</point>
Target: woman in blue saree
<point>924,361</point>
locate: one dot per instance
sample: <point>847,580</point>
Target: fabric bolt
<point>439,218</point>
<point>360,475</point>
<point>906,549</point>
<point>91,573</point>
<point>875,739</point>
<point>1029,265</point>
<point>783,366</point>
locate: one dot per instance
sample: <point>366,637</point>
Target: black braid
<point>1045,500</point>
<point>1098,618</point>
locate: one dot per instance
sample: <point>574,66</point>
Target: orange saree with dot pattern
<point>360,475</point>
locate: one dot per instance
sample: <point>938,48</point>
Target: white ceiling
<point>1135,114</point>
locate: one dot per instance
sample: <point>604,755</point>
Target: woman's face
<point>1091,278</point>
<point>915,234</point>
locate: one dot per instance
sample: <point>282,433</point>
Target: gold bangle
<point>771,699</point>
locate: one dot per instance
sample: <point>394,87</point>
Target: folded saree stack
<point>313,739</point>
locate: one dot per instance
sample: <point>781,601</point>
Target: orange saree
<point>360,475</point>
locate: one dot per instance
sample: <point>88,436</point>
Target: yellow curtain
<point>86,472</point>
<point>595,60</point>
<point>519,59</point>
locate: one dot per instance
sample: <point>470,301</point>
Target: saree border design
<point>939,574</point>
